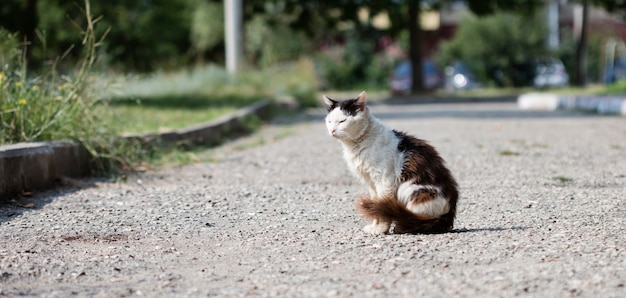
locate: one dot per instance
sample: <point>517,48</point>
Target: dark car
<point>540,73</point>
<point>402,76</point>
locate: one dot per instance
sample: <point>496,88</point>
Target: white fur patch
<point>338,123</point>
<point>377,228</point>
<point>432,208</point>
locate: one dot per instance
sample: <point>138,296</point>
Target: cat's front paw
<point>377,228</point>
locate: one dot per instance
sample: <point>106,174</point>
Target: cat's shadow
<point>496,229</point>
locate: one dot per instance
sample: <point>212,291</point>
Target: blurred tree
<point>271,35</point>
<point>581,50</point>
<point>580,72</point>
<point>492,45</point>
<point>479,7</point>
<point>415,52</point>
<point>207,28</point>
<point>144,34</point>
<point>21,17</point>
<point>149,34</point>
<point>486,7</point>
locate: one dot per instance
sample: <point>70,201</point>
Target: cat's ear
<point>330,104</point>
<point>360,101</point>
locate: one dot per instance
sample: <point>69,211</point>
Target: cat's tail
<point>391,210</point>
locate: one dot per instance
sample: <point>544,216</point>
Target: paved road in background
<point>541,213</point>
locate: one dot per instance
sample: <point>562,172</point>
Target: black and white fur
<point>408,182</point>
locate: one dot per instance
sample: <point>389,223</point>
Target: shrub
<point>207,26</point>
<point>353,64</point>
<point>495,42</point>
<point>595,53</point>
<point>271,40</point>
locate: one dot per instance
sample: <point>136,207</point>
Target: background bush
<point>495,42</point>
<point>353,63</point>
<point>55,106</point>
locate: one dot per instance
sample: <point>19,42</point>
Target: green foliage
<point>485,7</point>
<point>595,55</point>
<point>9,47</point>
<point>41,108</point>
<point>207,26</point>
<point>143,35</point>
<point>498,41</point>
<point>59,107</point>
<point>270,39</point>
<point>353,64</point>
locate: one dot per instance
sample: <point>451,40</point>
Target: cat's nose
<point>332,131</point>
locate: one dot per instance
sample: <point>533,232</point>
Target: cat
<point>409,184</point>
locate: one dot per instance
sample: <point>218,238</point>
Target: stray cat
<point>408,182</point>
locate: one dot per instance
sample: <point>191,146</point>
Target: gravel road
<point>541,213</point>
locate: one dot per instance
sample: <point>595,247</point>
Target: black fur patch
<point>404,143</point>
<point>349,107</point>
<point>424,165</point>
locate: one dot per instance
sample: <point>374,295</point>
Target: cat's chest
<point>380,161</point>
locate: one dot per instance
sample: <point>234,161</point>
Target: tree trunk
<point>415,50</point>
<point>580,73</point>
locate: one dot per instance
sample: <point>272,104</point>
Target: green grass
<point>562,179</point>
<point>618,87</point>
<point>165,113</point>
<point>165,101</point>
<point>151,119</point>
<point>509,153</point>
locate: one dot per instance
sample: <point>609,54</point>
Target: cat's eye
<point>342,121</point>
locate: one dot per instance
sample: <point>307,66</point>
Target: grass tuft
<point>562,179</point>
<point>56,106</point>
<point>509,153</point>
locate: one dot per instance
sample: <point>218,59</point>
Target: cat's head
<point>346,119</point>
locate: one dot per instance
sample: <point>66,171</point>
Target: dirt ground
<point>541,213</point>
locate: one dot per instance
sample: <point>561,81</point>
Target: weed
<point>59,107</point>
<point>563,179</point>
<point>509,153</point>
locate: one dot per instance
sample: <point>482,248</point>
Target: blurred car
<point>459,77</point>
<point>402,76</point>
<point>540,73</point>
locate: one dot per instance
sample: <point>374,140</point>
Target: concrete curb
<point>211,132</point>
<point>604,105</point>
<point>25,167</point>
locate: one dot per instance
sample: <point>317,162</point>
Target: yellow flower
<point>1,76</point>
<point>22,101</point>
<point>35,88</point>
<point>18,84</point>
<point>63,87</point>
